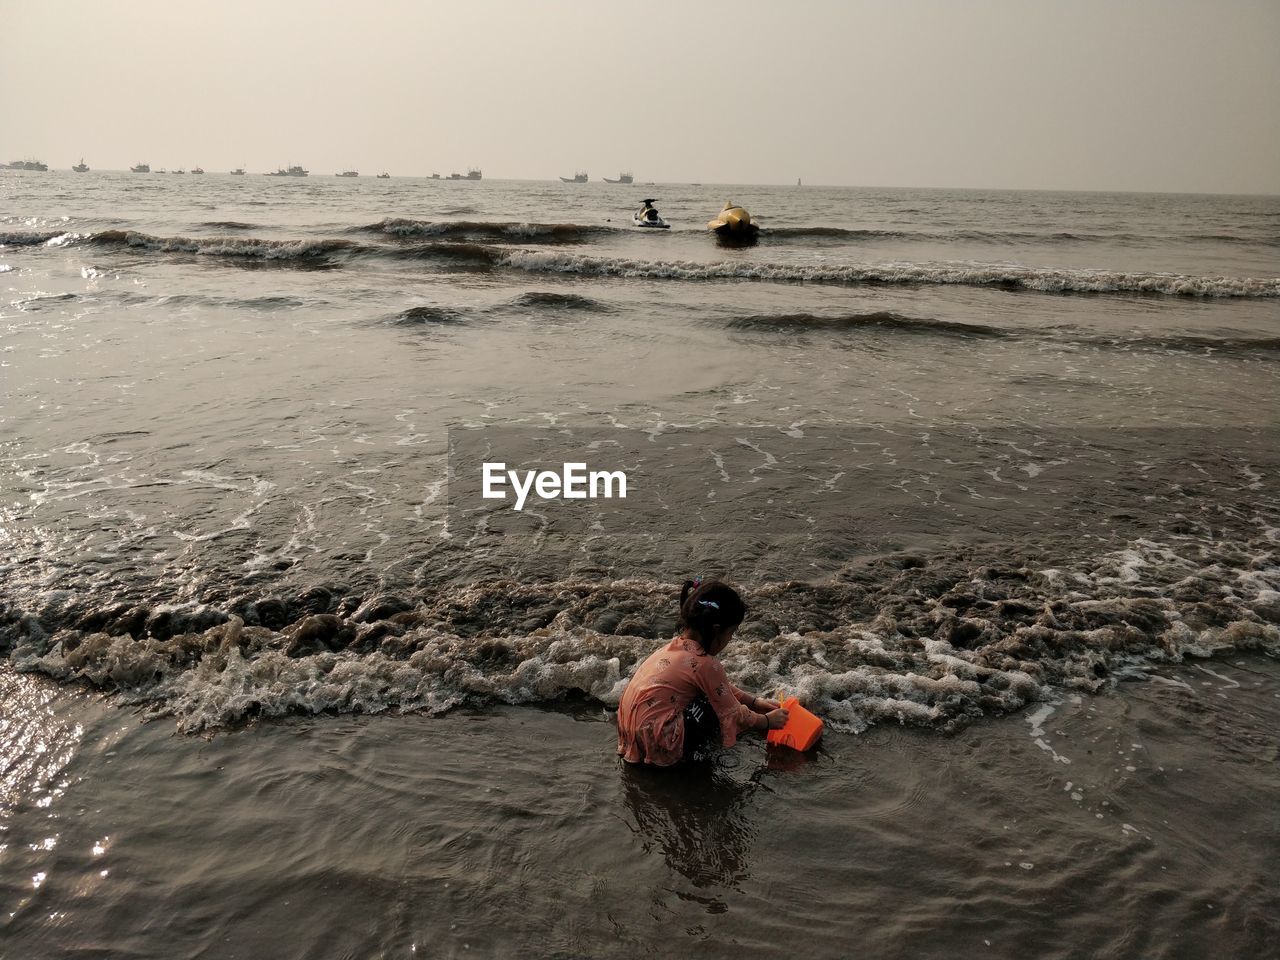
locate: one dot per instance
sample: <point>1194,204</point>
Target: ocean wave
<point>1005,277</point>
<point>228,225</point>
<point>861,321</point>
<point>932,641</point>
<point>551,300</point>
<point>486,230</point>
<point>278,302</point>
<point>458,251</point>
<point>896,323</point>
<point>28,238</point>
<point>41,300</point>
<point>243,247</point>
<point>1183,342</point>
<point>1010,236</point>
<point>426,315</point>
<point>318,252</point>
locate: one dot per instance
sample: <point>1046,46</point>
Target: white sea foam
<point>209,669</point>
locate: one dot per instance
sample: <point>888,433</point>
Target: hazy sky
<point>1141,95</point>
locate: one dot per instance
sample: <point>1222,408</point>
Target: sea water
<point>963,451</point>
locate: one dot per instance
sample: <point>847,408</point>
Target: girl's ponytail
<point>684,592</point>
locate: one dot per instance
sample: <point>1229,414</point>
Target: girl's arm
<point>752,702</point>
<point>733,712</point>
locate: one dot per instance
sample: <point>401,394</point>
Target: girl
<point>680,697</point>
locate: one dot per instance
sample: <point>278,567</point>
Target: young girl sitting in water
<point>680,697</point>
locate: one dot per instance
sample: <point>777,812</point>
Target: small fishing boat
<point>348,173</point>
<point>238,172</point>
<point>81,167</point>
<point>140,168</point>
<point>383,176</point>
<point>622,178</point>
<point>579,177</point>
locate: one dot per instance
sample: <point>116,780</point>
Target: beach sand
<point>1138,822</point>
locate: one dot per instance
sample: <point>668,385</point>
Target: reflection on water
<point>36,744</point>
<point>786,760</point>
<point>698,815</point>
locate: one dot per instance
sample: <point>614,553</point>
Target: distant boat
<point>386,176</point>
<point>798,181</point>
<point>81,167</point>
<point>35,165</point>
<point>622,178</point>
<point>238,172</point>
<point>178,171</point>
<point>472,174</point>
<point>435,176</point>
<point>197,169</point>
<point>293,171</point>
<point>141,168</point>
<point>347,173</point>
<point>579,177</point>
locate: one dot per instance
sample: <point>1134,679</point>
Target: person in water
<point>680,699</point>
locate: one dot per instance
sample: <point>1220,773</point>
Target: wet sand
<point>1140,822</point>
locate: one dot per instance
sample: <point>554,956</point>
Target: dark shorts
<point>701,729</point>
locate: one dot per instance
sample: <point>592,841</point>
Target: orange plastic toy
<point>802,730</point>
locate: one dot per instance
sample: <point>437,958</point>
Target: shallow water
<point>1139,822</point>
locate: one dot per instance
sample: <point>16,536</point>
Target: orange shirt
<point>651,712</point>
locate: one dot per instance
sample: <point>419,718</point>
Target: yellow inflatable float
<point>733,222</point>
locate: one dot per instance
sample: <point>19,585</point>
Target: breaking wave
<point>460,249</point>
<point>244,247</point>
<point>934,641</point>
<point>28,238</point>
<point>1006,277</point>
<point>510,231</point>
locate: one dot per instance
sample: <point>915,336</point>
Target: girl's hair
<point>709,606</point>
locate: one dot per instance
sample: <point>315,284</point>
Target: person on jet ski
<point>649,212</point>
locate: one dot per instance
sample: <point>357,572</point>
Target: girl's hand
<point>764,706</point>
<point>777,718</point>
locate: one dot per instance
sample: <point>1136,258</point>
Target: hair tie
<point>697,582</point>
<point>709,603</point>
